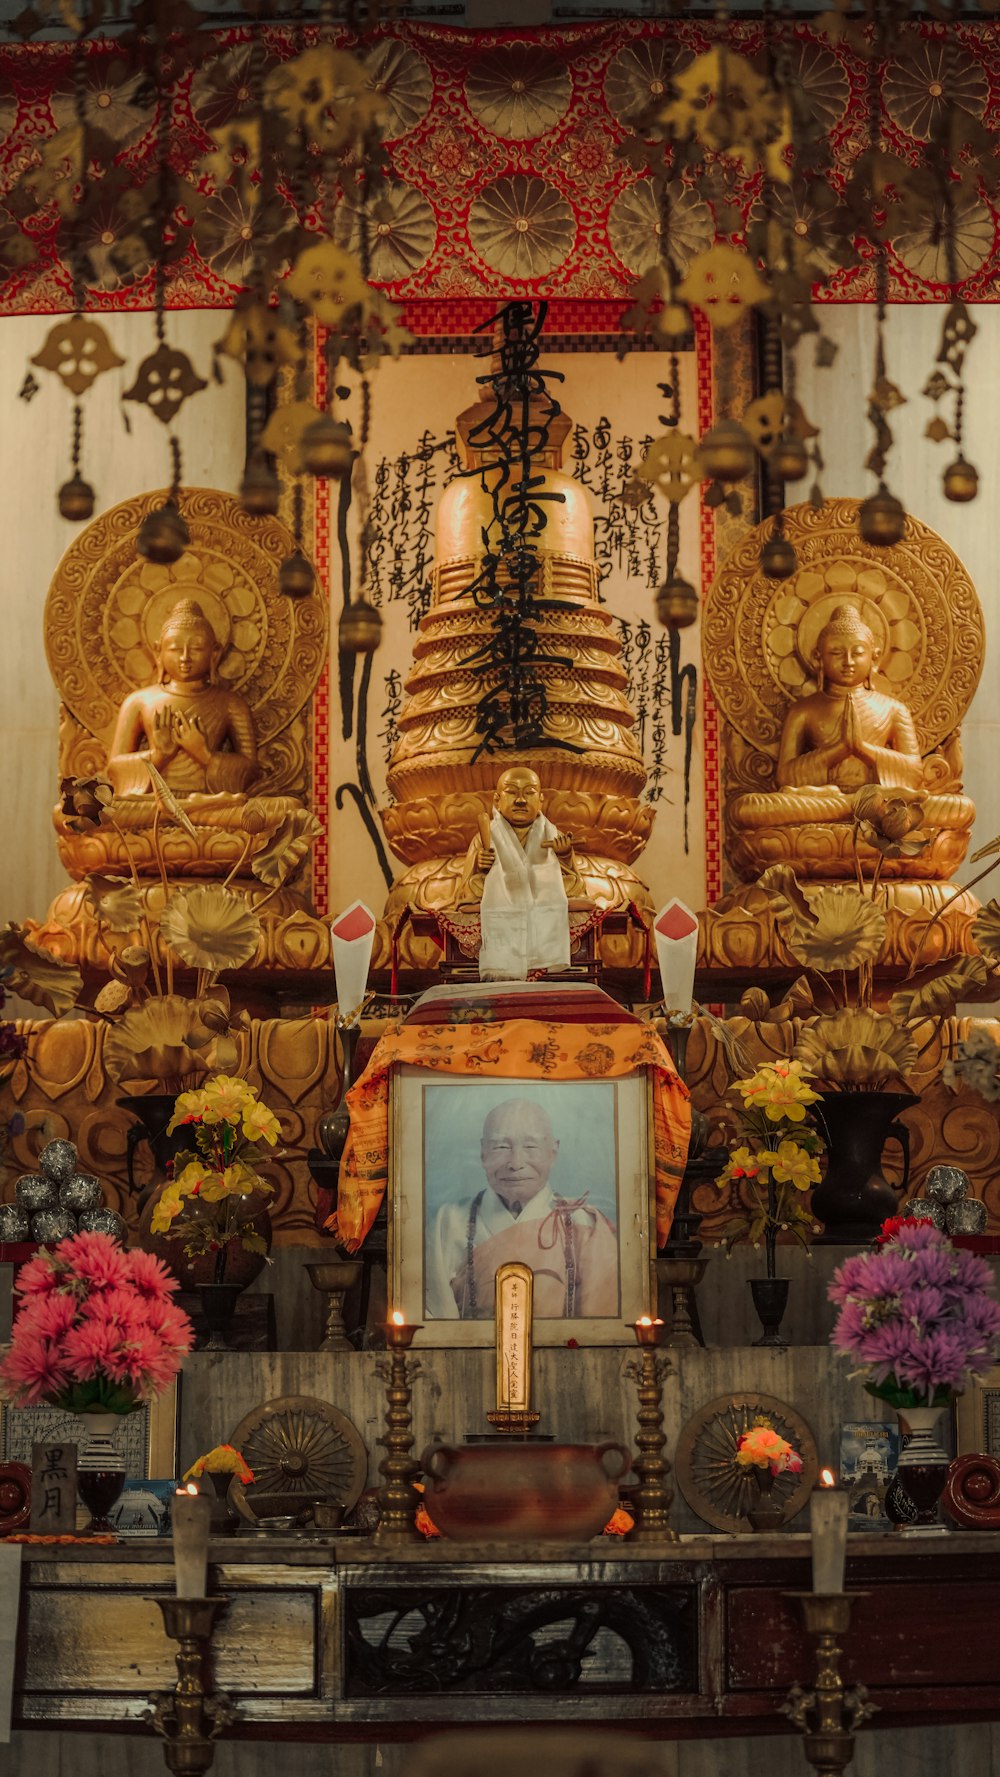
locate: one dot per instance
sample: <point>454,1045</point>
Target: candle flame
<point>644,1321</point>
<point>827,1478</point>
<point>398,1318</point>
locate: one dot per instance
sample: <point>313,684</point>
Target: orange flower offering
<point>763,1447</point>
<point>223,1460</point>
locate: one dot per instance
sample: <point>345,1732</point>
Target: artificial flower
<point>222,1460</point>
<point>779,1090</point>
<point>260,1124</point>
<point>210,928</point>
<point>763,1447</point>
<point>855,1047</point>
<point>742,1164</point>
<point>793,1165</point>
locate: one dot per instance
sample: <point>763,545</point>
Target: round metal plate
<point>299,1447</point>
<point>705,1464</point>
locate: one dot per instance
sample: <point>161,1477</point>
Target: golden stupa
<point>591,769</point>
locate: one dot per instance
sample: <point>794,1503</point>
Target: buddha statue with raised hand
<point>198,734</point>
<point>845,733</point>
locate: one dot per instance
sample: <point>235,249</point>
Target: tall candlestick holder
<point>654,1498</point>
<point>191,1717</point>
<point>399,1500</point>
<point>828,1715</point>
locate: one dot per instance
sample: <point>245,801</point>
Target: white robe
<point>524,911</point>
<point>447,1243</point>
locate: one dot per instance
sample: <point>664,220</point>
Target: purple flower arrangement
<point>918,1315</point>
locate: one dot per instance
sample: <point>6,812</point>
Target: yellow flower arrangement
<point>209,1198</point>
<point>769,1173</point>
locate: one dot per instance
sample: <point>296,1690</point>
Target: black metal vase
<point>855,1197</point>
<point>151,1112</point>
<point>770,1298</point>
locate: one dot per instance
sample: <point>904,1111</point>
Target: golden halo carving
<point>106,606</point>
<point>759,635</point>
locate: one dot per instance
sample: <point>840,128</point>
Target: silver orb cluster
<point>58,1200</point>
<point>949,1202</point>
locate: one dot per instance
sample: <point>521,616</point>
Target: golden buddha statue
<point>857,669</point>
<point>199,735</point>
<point>845,734</point>
<point>202,669</point>
<point>518,803</point>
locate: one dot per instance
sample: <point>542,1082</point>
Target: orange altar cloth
<point>518,1048</point>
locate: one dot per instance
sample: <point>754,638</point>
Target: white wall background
<point>835,400</point>
<point>34,461</point>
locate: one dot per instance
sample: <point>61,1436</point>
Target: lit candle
<point>398,1318</point>
<point>647,1330</point>
<point>191,1514</point>
<point>828,1508</point>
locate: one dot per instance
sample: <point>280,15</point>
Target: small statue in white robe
<point>522,872</point>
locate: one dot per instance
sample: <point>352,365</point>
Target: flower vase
<point>218,1305</point>
<point>100,1471</point>
<point>913,1494</point>
<point>770,1298</point>
<point>764,1511</point>
<point>855,1197</point>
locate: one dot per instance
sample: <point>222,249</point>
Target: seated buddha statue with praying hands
<point>845,734</point>
<point>196,733</point>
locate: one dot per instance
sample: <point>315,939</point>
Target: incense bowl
<point>522,1492</point>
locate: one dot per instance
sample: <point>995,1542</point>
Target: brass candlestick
<point>828,1715</point>
<point>399,1499</point>
<point>334,1277</point>
<point>191,1716</point>
<point>654,1498</point>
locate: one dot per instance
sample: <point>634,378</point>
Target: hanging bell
<point>296,577</point>
<point>789,460</point>
<point>726,452</point>
<point>260,489</point>
<point>163,536</point>
<point>360,629</point>
<point>677,603</point>
<point>960,481</point>
<point>882,518</point>
<point>76,499</point>
<point>327,448</point>
<point>778,559</point>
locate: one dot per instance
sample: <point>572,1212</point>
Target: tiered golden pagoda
<point>591,767</point>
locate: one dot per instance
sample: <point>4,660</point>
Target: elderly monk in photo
<point>521,871</point>
<point>571,1248</point>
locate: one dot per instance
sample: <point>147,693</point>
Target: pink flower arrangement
<point>918,1315</point>
<point>96,1329</point>
<point>763,1447</point>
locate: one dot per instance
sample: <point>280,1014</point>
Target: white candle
<point>191,1514</point>
<point>828,1508</point>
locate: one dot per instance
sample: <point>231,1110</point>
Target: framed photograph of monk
<point>554,1174</point>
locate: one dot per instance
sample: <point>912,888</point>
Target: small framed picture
<point>143,1508</point>
<point>977,1415</point>
<point>555,1174</point>
<point>146,1438</point>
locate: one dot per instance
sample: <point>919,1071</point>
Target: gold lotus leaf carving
<point>521,226</point>
<point>105,606</point>
<point>759,635</point>
<point>404,84</point>
<point>518,91</point>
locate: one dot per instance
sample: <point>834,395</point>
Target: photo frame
<point>579,1155</point>
<point>977,1415</point>
<point>147,1438</point>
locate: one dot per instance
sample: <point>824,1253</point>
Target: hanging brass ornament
<point>960,481</point>
<point>78,351</point>
<point>163,536</point>
<point>778,559</point>
<point>296,577</point>
<point>882,519</point>
<point>76,499</point>
<point>677,603</point>
<point>789,460</point>
<point>260,489</point>
<point>360,629</point>
<point>327,448</point>
<point>727,452</point>
<point>164,381</point>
